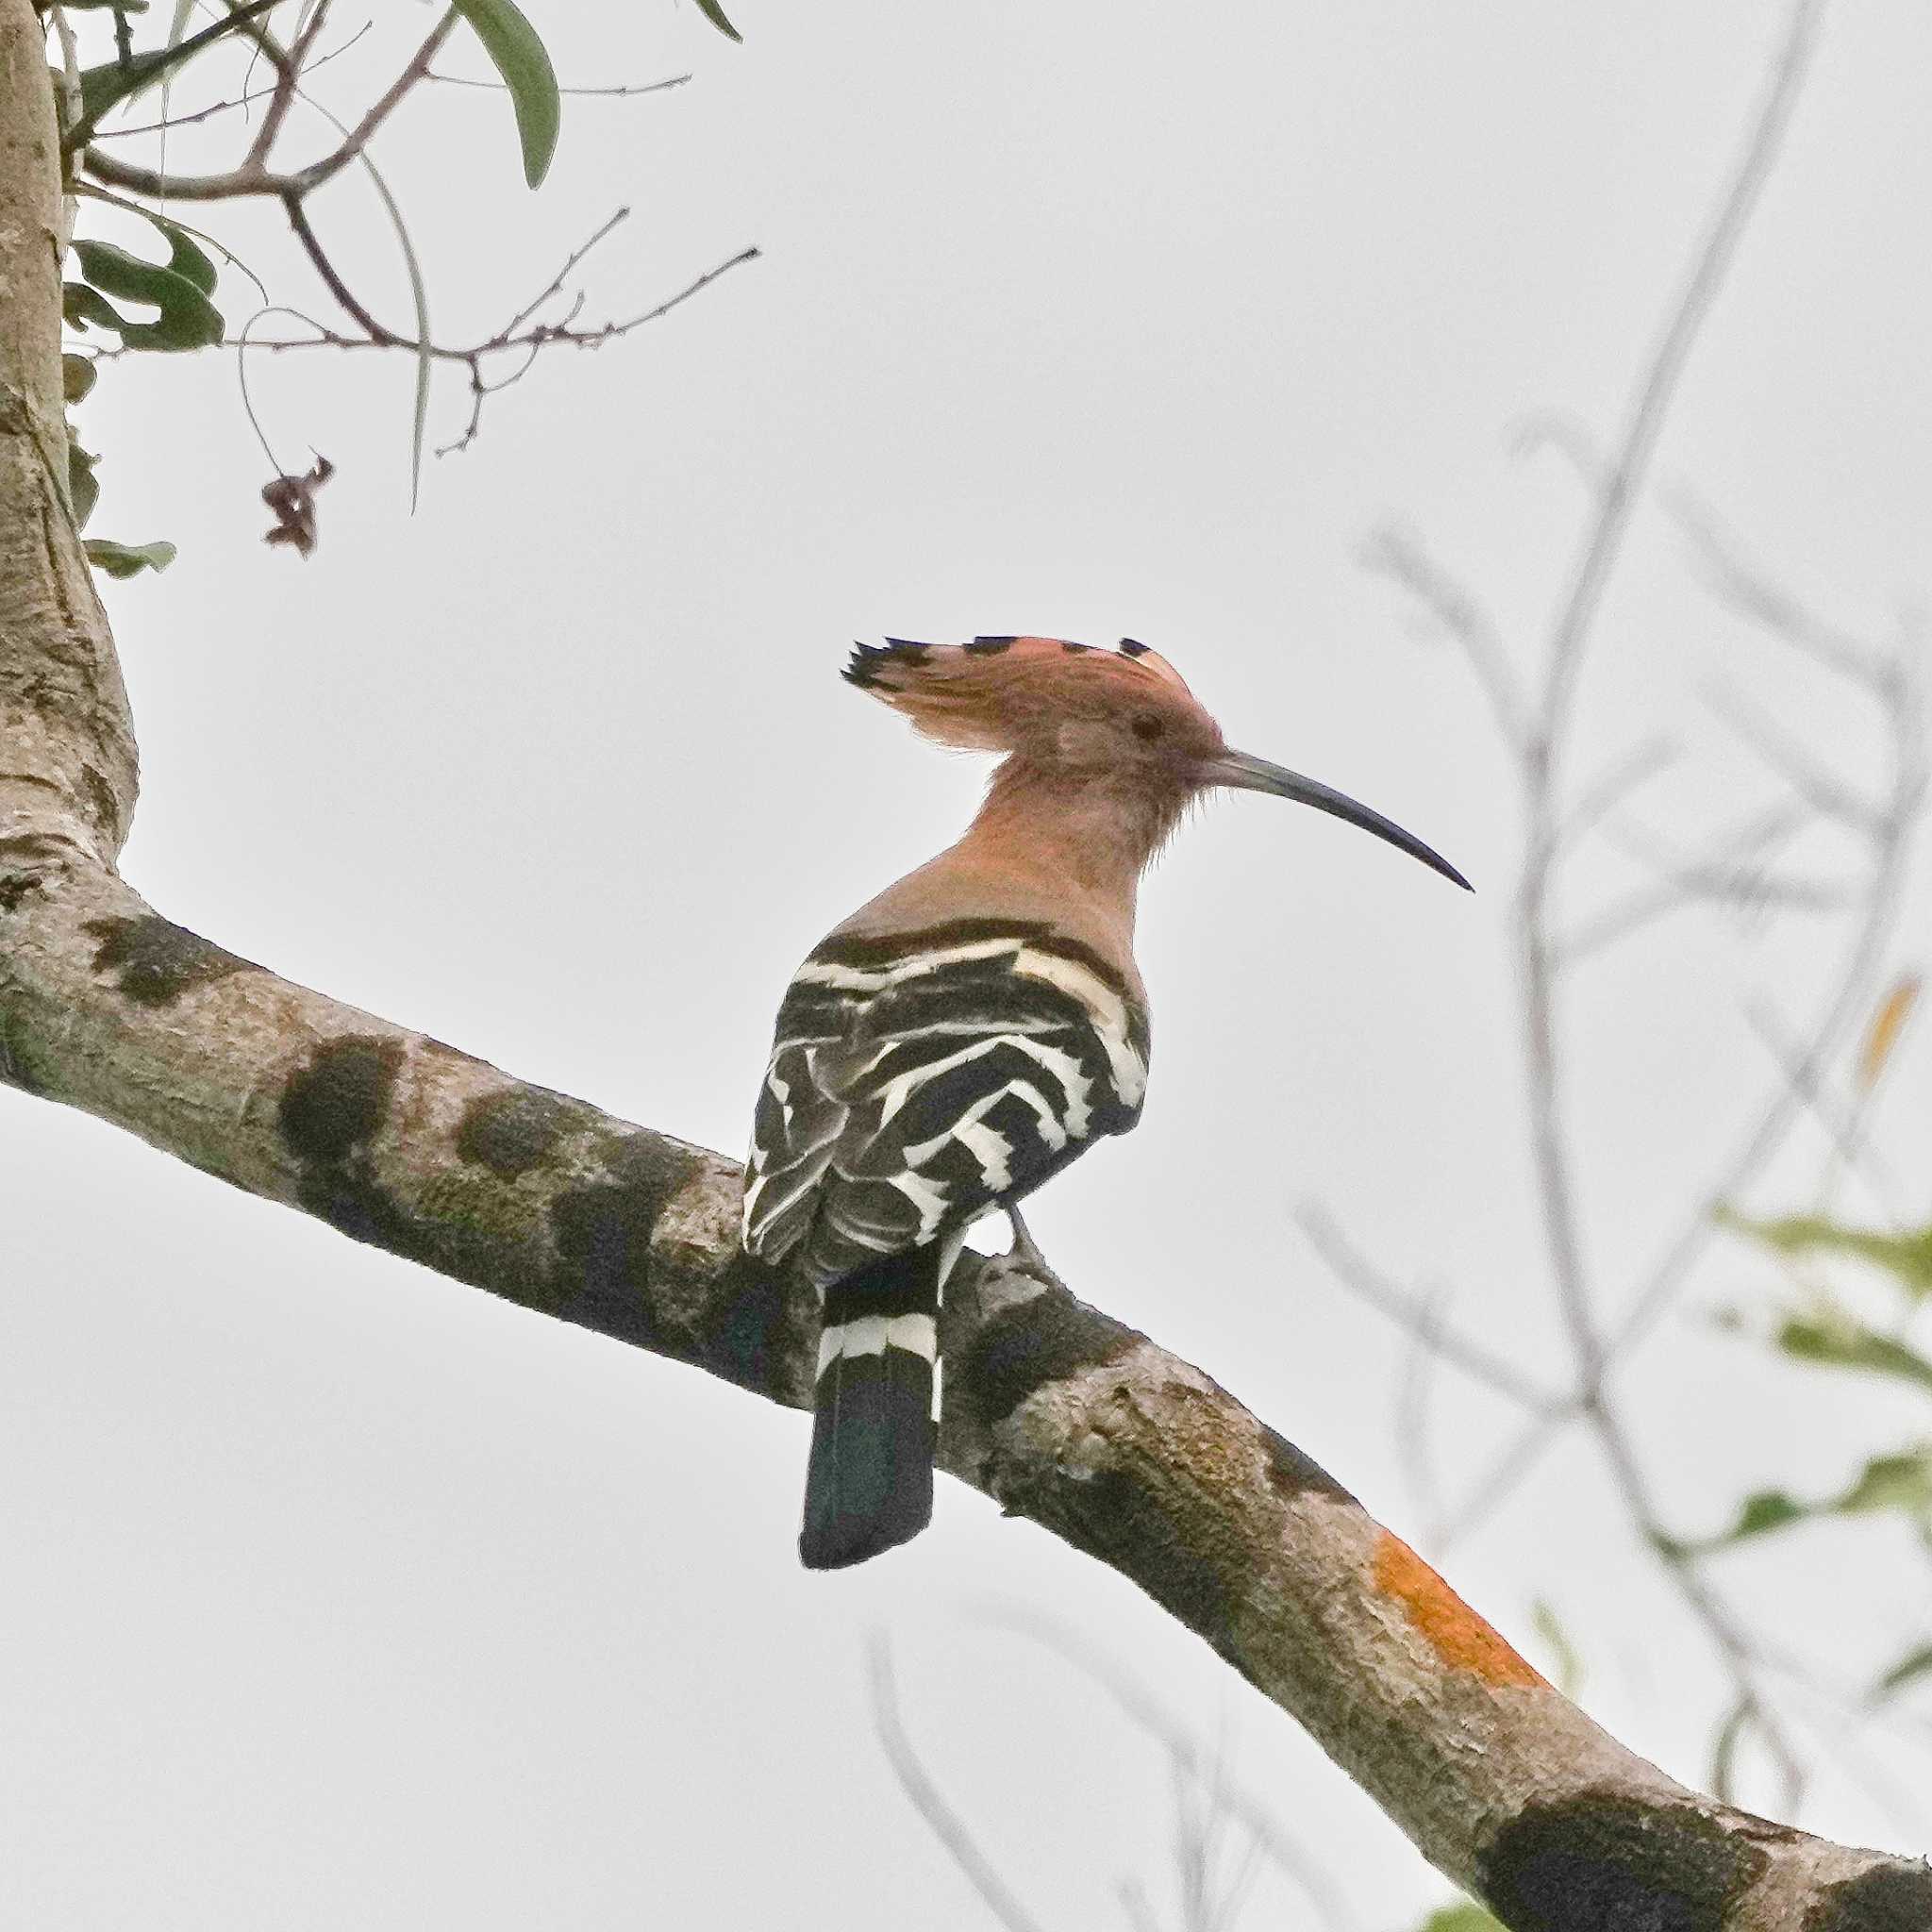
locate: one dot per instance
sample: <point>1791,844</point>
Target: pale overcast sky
<point>341,1595</point>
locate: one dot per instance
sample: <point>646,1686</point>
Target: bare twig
<point>1177,1738</point>
<point>282,97</point>
<point>243,100</point>
<point>1749,589</point>
<point>359,137</point>
<point>1659,387</point>
<point>1412,1312</point>
<point>649,87</point>
<point>930,1802</point>
<point>520,336</point>
<point>1551,830</point>
<point>1399,554</point>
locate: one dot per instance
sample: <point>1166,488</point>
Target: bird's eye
<point>1148,726</point>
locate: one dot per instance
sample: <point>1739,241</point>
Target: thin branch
<point>1411,1312</point>
<point>287,80</point>
<point>1260,1816</point>
<point>245,100</point>
<point>650,87</point>
<point>1842,1120</point>
<point>359,137</point>
<point>1659,387</point>
<point>311,246</point>
<point>1399,556</point>
<point>926,1798</point>
<point>1730,870</point>
<point>1613,786</point>
<point>1749,589</point>
<point>519,336</point>
<point>1789,761</point>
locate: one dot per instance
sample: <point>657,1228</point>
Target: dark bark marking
<point>100,796</point>
<point>156,961</point>
<point>603,1233</point>
<point>339,1100</point>
<point>1113,1518</point>
<point>1876,1901</point>
<point>11,1072</point>
<point>1291,1474</point>
<point>990,647</point>
<point>513,1130</point>
<point>1032,1343</point>
<point>1611,1862</point>
<point>25,860</point>
<point>328,1114</point>
<point>754,1330</point>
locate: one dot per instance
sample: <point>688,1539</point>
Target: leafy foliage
<point>179,290</point>
<point>128,559</point>
<point>1913,1665</point>
<point>117,81</point>
<point>518,57</point>
<point>715,14</point>
<point>1840,1339</point>
<point>1901,1481</point>
<point>1906,1257</point>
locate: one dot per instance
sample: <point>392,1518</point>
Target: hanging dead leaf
<point>293,500</point>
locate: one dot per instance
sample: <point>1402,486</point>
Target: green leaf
<point>1762,1512</point>
<point>1463,1918</point>
<point>128,559</point>
<point>1915,1663</point>
<point>188,319</point>
<point>518,56</point>
<point>715,14</point>
<point>187,258</point>
<point>1908,1257</point>
<point>78,374</point>
<point>82,491</point>
<point>1892,1482</point>
<point>81,306</point>
<point>1901,1482</point>
<point>1840,1341</point>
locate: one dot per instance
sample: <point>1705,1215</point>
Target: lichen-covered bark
<point>1060,1412</point>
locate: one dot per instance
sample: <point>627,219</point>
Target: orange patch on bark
<point>1451,1629</point>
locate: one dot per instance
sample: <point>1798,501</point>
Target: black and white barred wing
<point>907,1095</point>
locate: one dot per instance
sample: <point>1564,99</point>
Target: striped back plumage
<point>917,1082</point>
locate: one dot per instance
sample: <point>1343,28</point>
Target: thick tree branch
<point>1055,1409</point>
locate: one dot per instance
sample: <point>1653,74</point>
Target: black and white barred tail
<point>868,1486</point>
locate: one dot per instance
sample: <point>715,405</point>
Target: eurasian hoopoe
<point>962,1037</point>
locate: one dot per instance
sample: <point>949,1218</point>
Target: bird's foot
<point>1025,1255</point>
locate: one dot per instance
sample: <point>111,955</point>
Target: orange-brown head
<point>1118,729</point>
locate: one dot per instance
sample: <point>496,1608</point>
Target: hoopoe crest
<point>961,1036</point>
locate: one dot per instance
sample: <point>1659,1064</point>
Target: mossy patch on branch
<point>155,962</point>
<point>517,1128</point>
<point>1887,1899</point>
<point>339,1100</point>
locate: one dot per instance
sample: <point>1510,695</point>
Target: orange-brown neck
<point>1097,828</point>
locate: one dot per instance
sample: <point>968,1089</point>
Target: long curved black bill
<point>1238,772</point>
